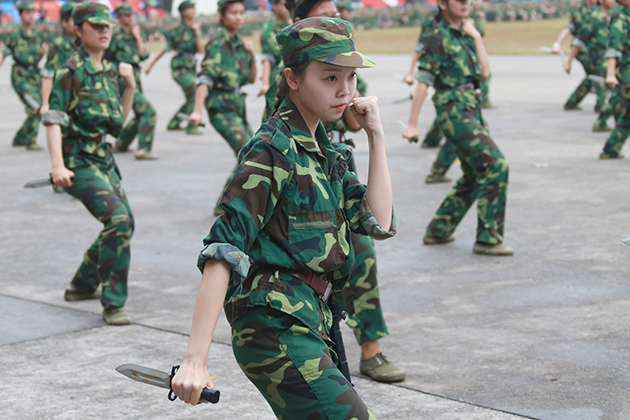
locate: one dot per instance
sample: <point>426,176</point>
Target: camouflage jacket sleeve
<point>59,99</point>
<point>431,58</point>
<point>60,50</point>
<point>618,36</point>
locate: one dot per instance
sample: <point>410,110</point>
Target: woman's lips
<point>340,107</point>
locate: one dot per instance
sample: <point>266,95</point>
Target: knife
<point>185,117</point>
<point>163,380</point>
<point>42,182</point>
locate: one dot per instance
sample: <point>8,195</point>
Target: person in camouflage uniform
<point>85,106</point>
<point>127,46</point>
<point>360,298</point>
<point>283,242</point>
<point>229,64</point>
<point>271,58</point>
<point>453,60</point>
<point>479,17</point>
<point>61,49</point>
<point>186,41</point>
<point>27,47</point>
<point>618,76</point>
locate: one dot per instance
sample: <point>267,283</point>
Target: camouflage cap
<point>222,2</point>
<point>65,12</point>
<point>324,39</point>
<point>345,5</point>
<point>185,5</point>
<point>123,9</point>
<point>92,12</point>
<point>24,5</point>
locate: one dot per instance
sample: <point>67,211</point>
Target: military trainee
<point>283,242</point>
<point>186,41</point>
<point>618,75</point>
<point>229,64</point>
<point>127,46</point>
<point>85,106</point>
<point>27,47</point>
<point>360,298</point>
<point>592,37</point>
<point>271,57</point>
<point>453,60</point>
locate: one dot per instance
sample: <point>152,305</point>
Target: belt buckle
<point>327,293</point>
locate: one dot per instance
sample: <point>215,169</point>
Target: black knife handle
<point>210,395</point>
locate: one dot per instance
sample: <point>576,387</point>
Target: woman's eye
<point>353,75</point>
<point>332,78</point>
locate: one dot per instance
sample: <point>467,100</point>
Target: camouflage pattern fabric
<point>619,47</point>
<point>182,40</point>
<point>288,207</point>
<point>448,60</point>
<point>361,298</point>
<point>85,101</point>
<point>107,260</point>
<point>444,159</point>
<point>59,52</point>
<point>294,367</point>
<point>26,80</point>
<point>271,52</point>
<point>124,49</point>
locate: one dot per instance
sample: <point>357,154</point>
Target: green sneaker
<point>116,316</point>
<point>34,147</point>
<point>601,128</point>
<point>604,156</point>
<point>434,240</point>
<point>572,108</point>
<point>146,155</point>
<point>436,179</point>
<point>496,250</point>
<point>381,369</point>
<point>72,295</point>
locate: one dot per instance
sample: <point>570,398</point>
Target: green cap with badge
<point>65,12</point>
<point>123,9</point>
<point>94,12</point>
<point>24,5</point>
<point>185,5</point>
<point>324,39</point>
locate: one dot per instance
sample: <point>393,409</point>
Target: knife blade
<point>42,182</point>
<point>626,241</point>
<point>162,379</point>
<point>185,117</point>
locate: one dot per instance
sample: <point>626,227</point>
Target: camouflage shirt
<point>85,101</point>
<point>619,42</point>
<point>447,60</point>
<point>59,52</point>
<point>288,207</point>
<point>592,37</point>
<point>124,49</point>
<point>270,48</point>
<point>183,41</point>
<point>578,17</point>
<point>428,24</point>
<point>25,49</point>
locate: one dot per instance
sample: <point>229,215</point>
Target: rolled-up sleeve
<point>210,66</point>
<point>430,60</point>
<point>59,98</point>
<point>371,226</point>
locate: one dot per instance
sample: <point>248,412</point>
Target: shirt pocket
<point>314,240</point>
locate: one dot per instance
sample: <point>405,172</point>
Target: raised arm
<point>480,48</point>
<point>126,71</point>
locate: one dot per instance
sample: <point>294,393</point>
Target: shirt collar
<point>291,117</point>
<point>90,64</point>
<point>226,36</point>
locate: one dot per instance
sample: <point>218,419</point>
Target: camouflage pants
<point>585,86</point>
<point>107,259</point>
<point>228,116</point>
<point>434,135</point>
<point>360,298</point>
<point>485,176</point>
<point>445,158</point>
<point>294,367</point>
<point>620,133</point>
<point>185,78</point>
<point>28,86</point>
<point>141,125</point>
<point>614,107</point>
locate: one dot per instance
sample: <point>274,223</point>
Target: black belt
<point>462,86</point>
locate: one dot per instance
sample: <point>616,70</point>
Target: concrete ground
<point>543,334</point>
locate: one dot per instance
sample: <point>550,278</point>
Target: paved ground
<point>543,334</point>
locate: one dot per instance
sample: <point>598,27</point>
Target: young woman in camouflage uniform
<point>127,46</point>
<point>283,241</point>
<point>618,76</point>
<point>85,106</point>
<point>454,60</point>
<point>229,64</point>
<point>27,47</point>
<point>186,41</point>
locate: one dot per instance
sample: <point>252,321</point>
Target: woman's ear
<point>292,79</point>
<point>77,31</point>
